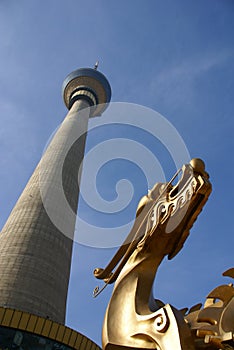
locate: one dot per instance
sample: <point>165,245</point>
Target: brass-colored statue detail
<point>134,319</point>
<point>213,326</point>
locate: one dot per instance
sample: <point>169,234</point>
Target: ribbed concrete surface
<point>35,256</point>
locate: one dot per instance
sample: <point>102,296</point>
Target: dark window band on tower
<point>83,94</point>
<point>95,98</point>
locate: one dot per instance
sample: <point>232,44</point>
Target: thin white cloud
<point>176,83</point>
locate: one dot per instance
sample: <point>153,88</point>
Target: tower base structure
<point>25,331</point>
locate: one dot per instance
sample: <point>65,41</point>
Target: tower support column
<point>36,241</point>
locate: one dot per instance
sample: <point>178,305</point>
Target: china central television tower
<point>36,241</point>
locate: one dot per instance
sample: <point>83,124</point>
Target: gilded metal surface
<point>213,325</point>
<point>134,319</point>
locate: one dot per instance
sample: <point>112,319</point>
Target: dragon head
<point>171,210</point>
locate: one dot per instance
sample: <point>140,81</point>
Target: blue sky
<point>173,56</point>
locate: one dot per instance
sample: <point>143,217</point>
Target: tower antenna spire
<point>96,65</point>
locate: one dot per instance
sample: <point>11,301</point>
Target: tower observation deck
<point>36,241</point>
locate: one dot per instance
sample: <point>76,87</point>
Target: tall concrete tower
<point>36,241</point>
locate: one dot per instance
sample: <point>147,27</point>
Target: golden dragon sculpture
<point>134,319</point>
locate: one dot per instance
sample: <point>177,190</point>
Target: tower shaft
<point>36,241</point>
